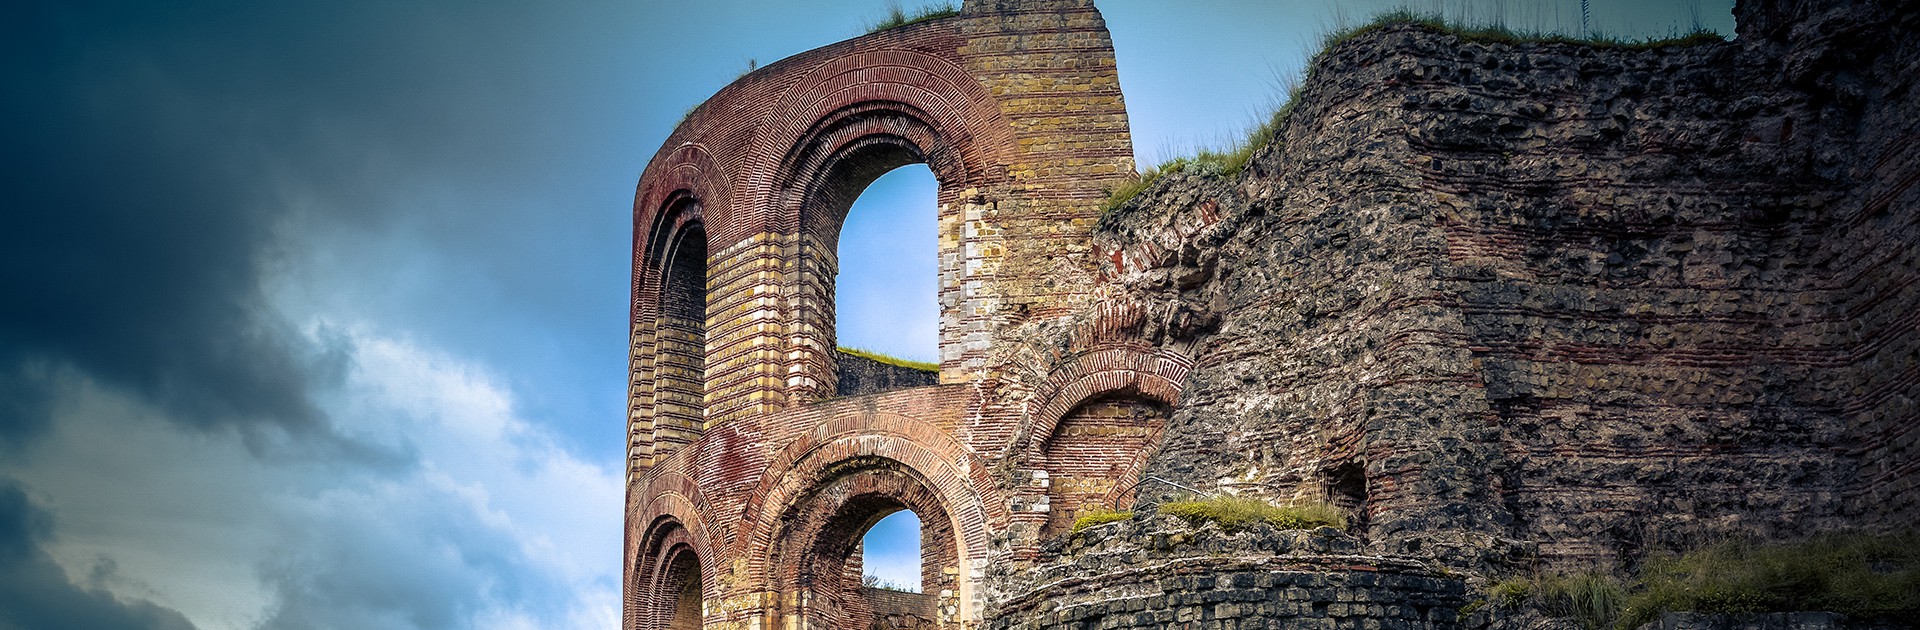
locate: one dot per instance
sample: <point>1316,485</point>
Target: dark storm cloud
<point>168,167</point>
<point>156,156</point>
<point>135,236</point>
<point>36,593</point>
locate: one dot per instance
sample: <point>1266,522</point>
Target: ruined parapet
<point>1579,301</point>
<point>1164,572</point>
<point>1511,304</point>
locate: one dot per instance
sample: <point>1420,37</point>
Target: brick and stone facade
<point>745,452</point>
<point>1540,305</point>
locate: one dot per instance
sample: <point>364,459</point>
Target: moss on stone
<point>1859,575</point>
<point>1093,518</point>
<point>1240,512</point>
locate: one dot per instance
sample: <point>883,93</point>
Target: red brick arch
<point>961,122</point>
<point>1101,371</point>
<point>955,480</point>
<point>670,554</point>
<point>813,568</point>
<point>1016,108</point>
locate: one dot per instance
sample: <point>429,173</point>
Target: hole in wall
<point>1347,490</point>
<point>890,553</point>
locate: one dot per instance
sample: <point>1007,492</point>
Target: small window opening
<point>891,554</point>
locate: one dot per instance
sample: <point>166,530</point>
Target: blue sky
<point>315,312</point>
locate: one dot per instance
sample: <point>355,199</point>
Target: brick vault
<point>751,477</point>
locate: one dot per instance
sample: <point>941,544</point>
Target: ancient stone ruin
<point>1508,304</point>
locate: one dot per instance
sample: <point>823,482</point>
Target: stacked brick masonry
<point>1857,59</point>
<point>1546,298</point>
<point>1016,108</point>
<point>900,610</point>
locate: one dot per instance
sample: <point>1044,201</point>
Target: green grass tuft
<point>897,17</point>
<point>1092,518</point>
<point>1240,512</point>
<point>891,360</point>
<point>1501,34</point>
<point>1858,575</point>
<point>1593,599</point>
<point>1852,574</point>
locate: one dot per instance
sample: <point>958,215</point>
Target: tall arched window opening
<point>680,593</point>
<point>887,315</point>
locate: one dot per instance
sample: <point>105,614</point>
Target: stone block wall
<point>1557,299</point>
<point>1161,572</point>
<point>859,375</point>
<point>900,610</point>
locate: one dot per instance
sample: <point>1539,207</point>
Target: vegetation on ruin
<point>873,581</point>
<point>897,17</point>
<point>1859,575</point>
<point>1091,518</point>
<point>1241,512</point>
<point>890,359</point>
<point>1592,599</point>
<point>1498,33</point>
<point>1231,159</point>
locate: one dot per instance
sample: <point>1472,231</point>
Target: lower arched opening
<point>818,556</point>
<point>671,584</point>
<point>681,607</point>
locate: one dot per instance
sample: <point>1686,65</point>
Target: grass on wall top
<point>1231,159</point>
<point>897,17</point>
<point>890,359</point>
<point>1240,512</point>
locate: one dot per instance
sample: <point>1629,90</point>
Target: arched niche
<point>1095,452</point>
<point>671,580</point>
<point>670,381</point>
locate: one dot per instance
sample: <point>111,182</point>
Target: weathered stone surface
<point>1558,299</point>
<point>1160,572</point>
<point>1513,305</point>
<point>859,375</point>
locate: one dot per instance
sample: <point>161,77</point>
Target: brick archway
<point>814,492</point>
<point>828,168</point>
<point>813,564</point>
<point>669,587</point>
<point>1015,107</point>
<point>1023,140</point>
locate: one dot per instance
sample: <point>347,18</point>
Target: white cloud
<point>491,524</point>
